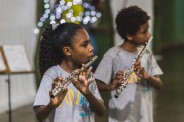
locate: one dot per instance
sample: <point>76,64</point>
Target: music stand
<point>13,60</point>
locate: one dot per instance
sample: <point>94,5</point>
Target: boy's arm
<point>114,84</point>
<point>155,81</point>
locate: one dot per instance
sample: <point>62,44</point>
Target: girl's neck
<point>129,47</point>
<point>68,66</point>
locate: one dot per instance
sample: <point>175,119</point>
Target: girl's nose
<point>91,48</point>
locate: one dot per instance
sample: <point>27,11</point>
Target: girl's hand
<point>57,100</point>
<point>117,80</point>
<point>82,82</point>
<point>139,70</point>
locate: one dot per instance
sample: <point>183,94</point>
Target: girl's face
<point>143,35</point>
<point>81,50</point>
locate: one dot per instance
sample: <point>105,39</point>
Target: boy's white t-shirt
<point>134,104</point>
<point>74,108</point>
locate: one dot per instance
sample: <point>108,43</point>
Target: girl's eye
<point>85,44</point>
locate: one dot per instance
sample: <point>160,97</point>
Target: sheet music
<point>16,58</point>
<point>2,63</point>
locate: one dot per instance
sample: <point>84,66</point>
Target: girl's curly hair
<point>52,42</point>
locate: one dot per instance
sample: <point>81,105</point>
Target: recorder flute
<point>60,87</point>
<point>130,70</point>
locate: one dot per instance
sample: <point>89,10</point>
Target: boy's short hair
<point>129,20</point>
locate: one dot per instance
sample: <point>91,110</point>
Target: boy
<point>134,104</point>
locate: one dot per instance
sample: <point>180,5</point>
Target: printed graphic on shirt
<point>135,79</point>
<point>84,108</point>
<point>77,100</point>
<point>144,84</point>
<point>71,98</point>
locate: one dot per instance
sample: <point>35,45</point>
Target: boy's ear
<point>67,51</point>
<point>129,37</point>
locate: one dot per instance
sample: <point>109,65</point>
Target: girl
<point>63,49</point>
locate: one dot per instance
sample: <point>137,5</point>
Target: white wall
<point>117,5</point>
<point>17,22</point>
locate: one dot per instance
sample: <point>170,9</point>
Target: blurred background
<point>22,23</point>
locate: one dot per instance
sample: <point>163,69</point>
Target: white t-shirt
<point>134,104</point>
<point>74,108</point>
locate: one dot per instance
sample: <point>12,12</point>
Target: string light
<point>66,11</point>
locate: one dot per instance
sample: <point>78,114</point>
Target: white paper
<point>2,64</point>
<point>16,58</point>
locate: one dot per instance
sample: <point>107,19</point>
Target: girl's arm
<point>82,84</point>
<point>96,104</point>
<point>43,111</point>
<point>102,86</point>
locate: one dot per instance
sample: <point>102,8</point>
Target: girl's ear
<point>67,51</point>
<point>129,37</point>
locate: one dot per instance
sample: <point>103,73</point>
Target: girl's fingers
<point>75,82</point>
<point>85,72</point>
<point>84,68</point>
<point>88,71</point>
<point>56,81</point>
<point>62,94</point>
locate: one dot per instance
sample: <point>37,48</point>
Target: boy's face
<point>81,50</point>
<point>143,35</point>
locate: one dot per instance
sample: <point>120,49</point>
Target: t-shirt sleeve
<point>42,96</point>
<point>154,67</point>
<point>104,69</point>
<point>95,91</point>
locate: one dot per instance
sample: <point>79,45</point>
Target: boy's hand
<point>57,100</point>
<point>117,80</point>
<point>139,70</point>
